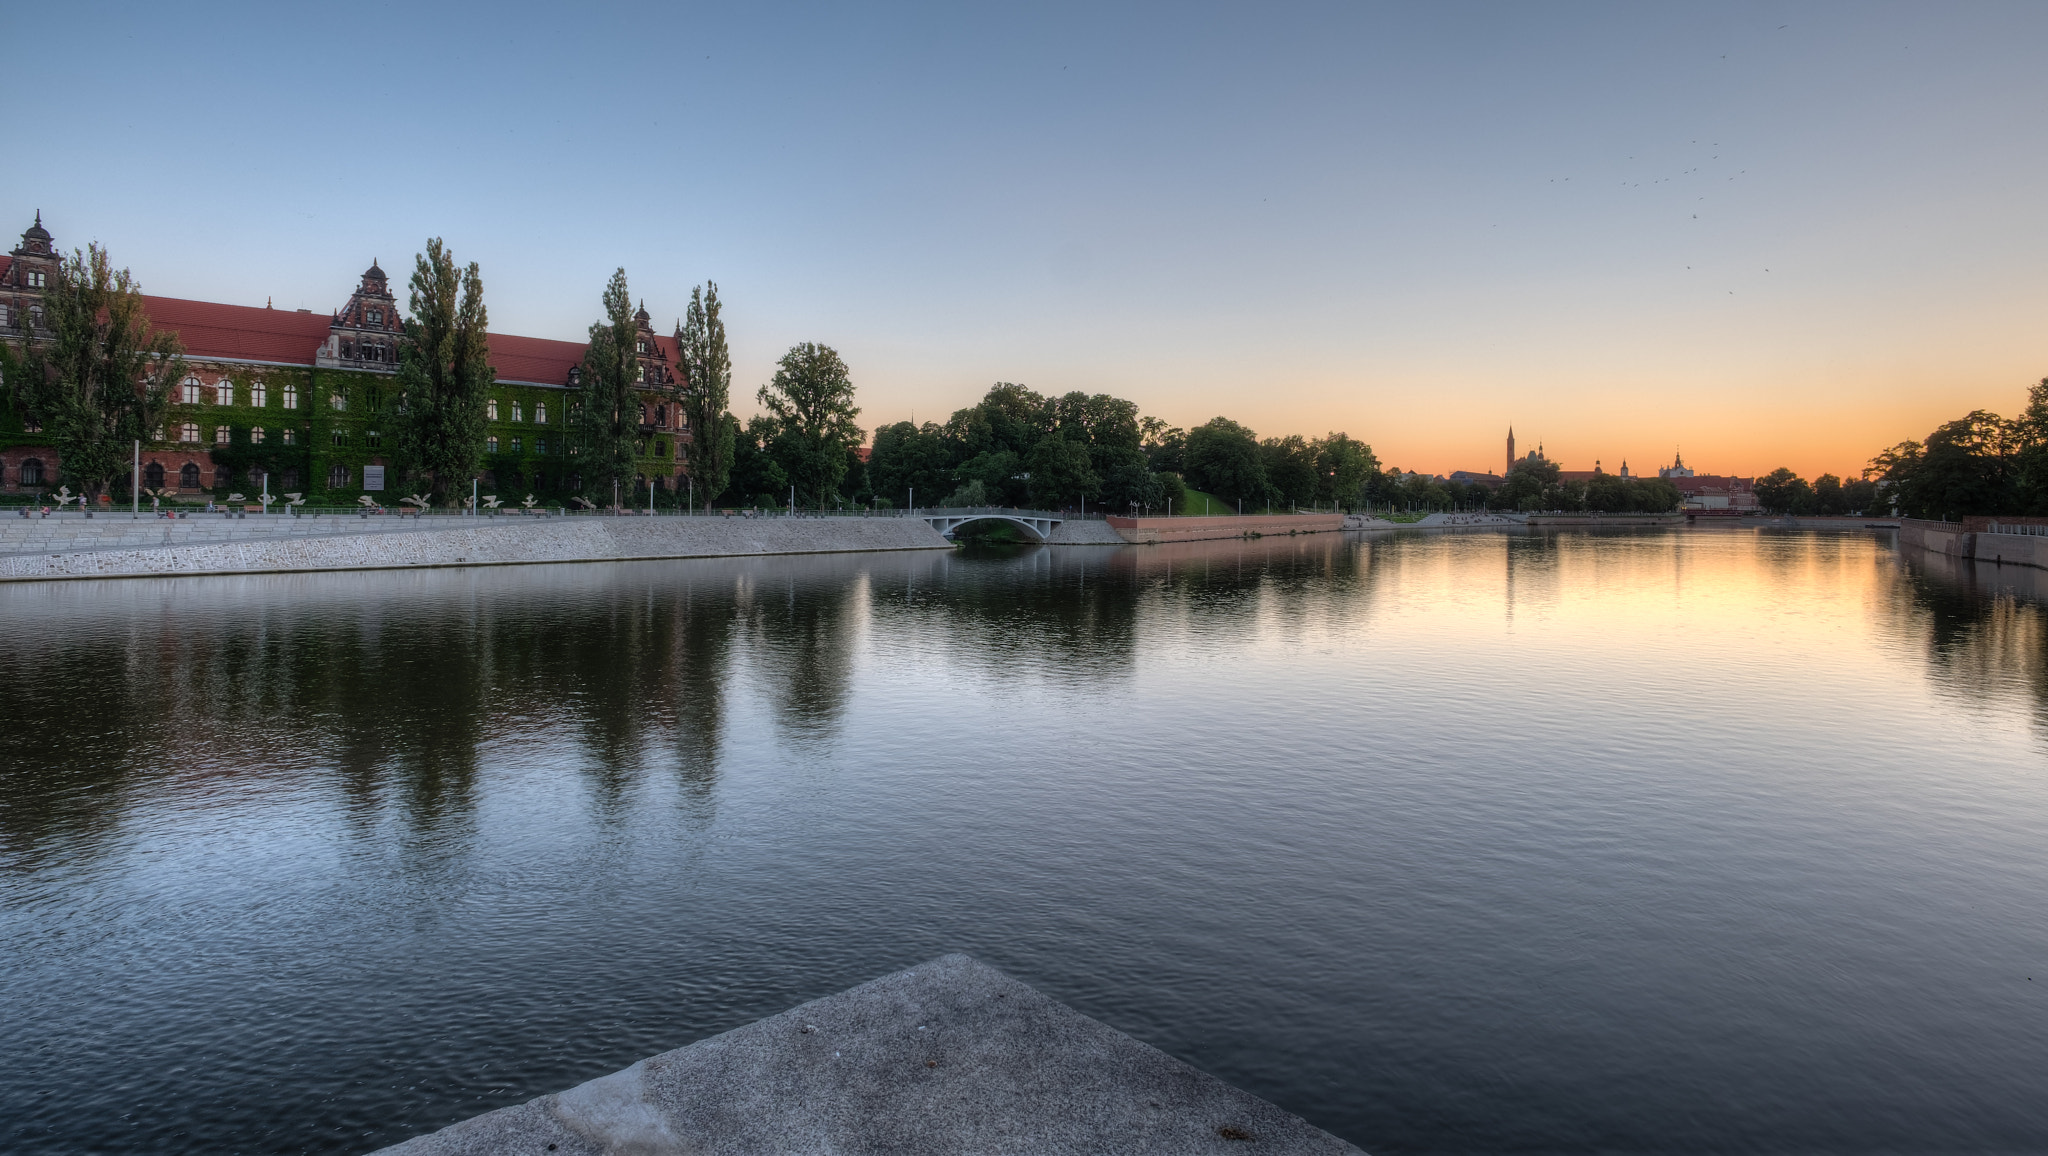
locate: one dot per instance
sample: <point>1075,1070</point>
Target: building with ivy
<point>292,401</point>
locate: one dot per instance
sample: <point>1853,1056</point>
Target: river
<point>1659,841</point>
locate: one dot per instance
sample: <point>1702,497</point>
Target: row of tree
<point>1980,463</point>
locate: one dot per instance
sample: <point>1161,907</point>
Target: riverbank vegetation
<point>1979,463</point>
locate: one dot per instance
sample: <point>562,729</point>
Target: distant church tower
<point>1511,451</point>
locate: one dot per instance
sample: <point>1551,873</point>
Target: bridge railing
<point>992,511</point>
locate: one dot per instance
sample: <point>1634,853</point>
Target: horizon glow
<point>1764,234</point>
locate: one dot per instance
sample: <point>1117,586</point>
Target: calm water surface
<point>1666,842</point>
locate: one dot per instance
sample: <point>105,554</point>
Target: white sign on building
<point>373,477</point>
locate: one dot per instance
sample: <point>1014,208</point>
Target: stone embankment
<point>1986,545</point>
<point>127,548</point>
<point>949,1056</point>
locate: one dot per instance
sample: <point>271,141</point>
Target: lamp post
<point>135,482</point>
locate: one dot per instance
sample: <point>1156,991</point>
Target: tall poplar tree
<point>444,372</point>
<point>610,415</point>
<point>102,379</point>
<point>709,369</point>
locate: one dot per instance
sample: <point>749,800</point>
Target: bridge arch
<point>1036,524</point>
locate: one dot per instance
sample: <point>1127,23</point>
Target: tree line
<point>1979,463</point>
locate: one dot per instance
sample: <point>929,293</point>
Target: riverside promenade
<point>121,546</point>
<point>946,1057</point>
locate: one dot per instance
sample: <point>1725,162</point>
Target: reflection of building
<point>308,401</point>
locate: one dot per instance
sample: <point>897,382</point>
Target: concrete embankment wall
<point>1084,532</point>
<point>1231,526</point>
<point>1983,546</point>
<point>483,542</point>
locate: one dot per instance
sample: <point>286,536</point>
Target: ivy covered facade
<point>297,402</point>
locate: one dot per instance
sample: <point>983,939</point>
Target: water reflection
<point>1981,627</point>
<point>1525,842</point>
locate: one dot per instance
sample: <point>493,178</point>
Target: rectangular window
<point>337,400</point>
<point>221,436</point>
<point>3,314</point>
<point>540,446</point>
<point>518,412</point>
<point>224,393</point>
<point>515,445</point>
<point>291,436</point>
<point>491,445</point>
<point>291,397</point>
<point>491,410</point>
<point>340,438</point>
<point>540,413</point>
<point>258,396</point>
<point>256,435</point>
<point>189,432</point>
<point>373,438</point>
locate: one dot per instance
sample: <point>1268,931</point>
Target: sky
<point>1762,234</point>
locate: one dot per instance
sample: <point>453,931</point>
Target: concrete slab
<point>951,1056</point>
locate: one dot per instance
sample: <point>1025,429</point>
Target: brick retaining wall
<point>1228,526</point>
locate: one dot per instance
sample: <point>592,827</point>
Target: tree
<point>1223,458</point>
<point>102,379</point>
<point>1342,466</point>
<point>1060,471</point>
<point>708,369</point>
<point>1531,484</point>
<point>1290,467</point>
<point>1783,492</point>
<point>810,401</point>
<point>610,415</point>
<point>444,371</point>
<point>908,457</point>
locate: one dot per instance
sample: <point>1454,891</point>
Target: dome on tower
<point>373,273</point>
<point>36,232</point>
<point>642,315</point>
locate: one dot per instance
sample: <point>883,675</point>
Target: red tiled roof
<point>535,359</point>
<point>240,332</point>
<point>246,333</point>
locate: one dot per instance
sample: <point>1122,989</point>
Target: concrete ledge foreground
<point>951,1056</point>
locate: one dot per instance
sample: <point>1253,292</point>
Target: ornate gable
<point>365,332</point>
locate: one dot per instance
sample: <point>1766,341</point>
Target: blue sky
<point>1773,233</point>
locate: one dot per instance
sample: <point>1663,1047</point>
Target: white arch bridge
<point>1036,523</point>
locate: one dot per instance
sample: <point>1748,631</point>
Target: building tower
<point>29,272</point>
<point>366,331</point>
<point>1511,452</point>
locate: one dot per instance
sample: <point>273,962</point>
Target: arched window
<point>337,477</point>
<point>190,393</point>
<point>491,409</point>
<point>222,478</point>
<point>291,397</point>
<point>256,435</point>
<point>224,393</point>
<point>32,472</point>
<point>518,412</point>
<point>188,478</point>
<point>540,413</point>
<point>337,400</point>
<point>153,475</point>
<point>288,481</point>
<point>258,395</point>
